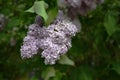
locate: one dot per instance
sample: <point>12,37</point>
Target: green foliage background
<point>95,52</point>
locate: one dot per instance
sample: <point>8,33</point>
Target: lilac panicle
<point>54,40</point>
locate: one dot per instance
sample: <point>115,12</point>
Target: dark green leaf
<point>58,75</point>
<point>116,67</point>
<point>48,73</point>
<point>81,73</point>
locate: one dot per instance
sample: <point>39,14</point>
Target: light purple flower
<point>29,47</point>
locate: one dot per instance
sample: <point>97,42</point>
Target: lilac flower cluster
<point>79,6</point>
<point>54,40</point>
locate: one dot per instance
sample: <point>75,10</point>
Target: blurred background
<point>95,52</point>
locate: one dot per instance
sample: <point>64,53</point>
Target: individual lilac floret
<point>29,47</point>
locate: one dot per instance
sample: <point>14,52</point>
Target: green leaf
<point>81,73</point>
<point>110,24</point>
<point>48,73</point>
<point>31,10</point>
<point>39,8</point>
<point>58,76</point>
<point>65,60</point>
<point>116,67</point>
<point>51,15</point>
<point>85,75</point>
<point>34,78</point>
